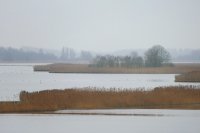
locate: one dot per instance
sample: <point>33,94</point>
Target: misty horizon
<point>100,25</point>
<point>70,55</point>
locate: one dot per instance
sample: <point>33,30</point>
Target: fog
<point>103,25</point>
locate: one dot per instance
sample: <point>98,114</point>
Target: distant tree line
<point>12,54</point>
<point>118,61</point>
<point>69,54</point>
<point>154,57</point>
<point>33,55</point>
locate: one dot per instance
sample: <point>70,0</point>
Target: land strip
<point>173,97</point>
<point>193,76</point>
<point>178,68</point>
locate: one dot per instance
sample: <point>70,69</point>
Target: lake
<point>168,121</point>
<point>17,77</point>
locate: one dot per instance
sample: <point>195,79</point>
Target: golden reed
<point>173,97</point>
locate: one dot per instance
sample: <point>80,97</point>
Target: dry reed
<point>193,76</point>
<point>174,97</point>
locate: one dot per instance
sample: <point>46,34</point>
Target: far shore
<point>178,68</point>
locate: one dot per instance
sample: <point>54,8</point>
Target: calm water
<point>171,121</point>
<point>17,77</point>
<point>13,79</point>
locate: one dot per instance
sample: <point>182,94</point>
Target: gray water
<point>171,121</point>
<point>17,77</point>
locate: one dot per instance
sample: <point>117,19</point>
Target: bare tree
<point>156,56</point>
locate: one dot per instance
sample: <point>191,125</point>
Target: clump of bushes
<point>118,61</point>
<point>156,56</point>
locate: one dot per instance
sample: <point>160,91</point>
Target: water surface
<point>17,77</point>
<point>187,122</point>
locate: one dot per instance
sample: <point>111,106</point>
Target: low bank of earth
<point>86,68</point>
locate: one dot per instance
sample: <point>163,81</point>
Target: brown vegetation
<point>179,97</point>
<point>193,76</point>
<point>85,68</point>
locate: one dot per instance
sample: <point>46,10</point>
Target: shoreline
<point>86,68</point>
<point>116,112</point>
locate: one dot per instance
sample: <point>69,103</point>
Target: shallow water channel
<point>17,77</point>
<point>160,121</point>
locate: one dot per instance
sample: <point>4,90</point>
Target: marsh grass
<point>193,76</point>
<point>173,97</point>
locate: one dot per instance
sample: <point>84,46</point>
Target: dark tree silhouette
<point>156,56</point>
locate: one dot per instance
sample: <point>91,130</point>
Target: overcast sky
<point>100,25</point>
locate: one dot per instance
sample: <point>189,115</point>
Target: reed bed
<point>85,68</point>
<point>193,76</point>
<point>173,97</point>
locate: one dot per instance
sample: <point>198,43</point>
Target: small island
<point>157,60</point>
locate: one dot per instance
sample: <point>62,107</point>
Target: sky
<point>100,25</point>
